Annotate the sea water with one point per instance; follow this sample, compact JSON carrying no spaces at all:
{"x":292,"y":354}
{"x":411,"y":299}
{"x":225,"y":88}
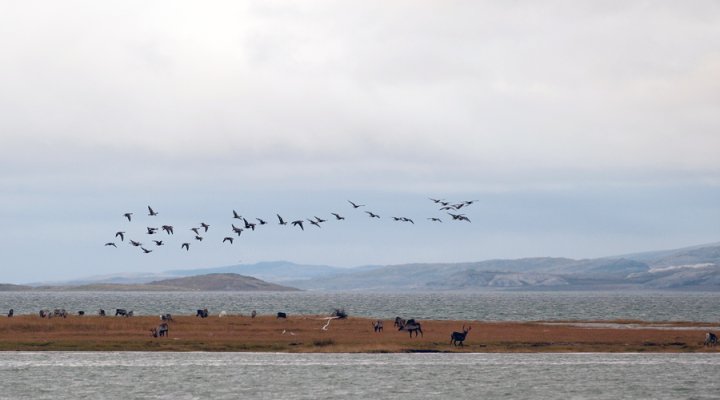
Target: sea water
{"x":77,"y":375}
{"x":484,"y":306}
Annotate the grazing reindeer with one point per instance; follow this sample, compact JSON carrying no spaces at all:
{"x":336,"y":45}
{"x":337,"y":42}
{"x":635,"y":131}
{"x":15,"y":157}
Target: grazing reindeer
{"x":59,"y":312}
{"x":412,"y":326}
{"x":11,"y":313}
{"x":378,"y":326}
{"x":166,"y":317}
{"x":710,"y":339}
{"x":44,"y":313}
{"x":459,"y":337}
{"x":81,"y":313}
{"x":161,"y":330}
{"x":202,"y":313}
{"x":399,"y":322}
{"x":281,"y":315}
{"x":253,"y":314}
{"x":101,"y":312}
{"x":121,"y":312}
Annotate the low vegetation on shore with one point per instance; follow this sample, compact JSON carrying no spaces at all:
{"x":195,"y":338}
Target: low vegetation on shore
{"x":306,"y":334}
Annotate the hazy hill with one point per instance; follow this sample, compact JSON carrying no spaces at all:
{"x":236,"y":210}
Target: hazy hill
{"x":275,"y":271}
{"x":8,"y":287}
{"x":222,"y":282}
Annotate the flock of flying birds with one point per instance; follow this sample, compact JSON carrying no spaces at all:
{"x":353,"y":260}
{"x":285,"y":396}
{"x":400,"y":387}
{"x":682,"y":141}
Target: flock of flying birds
{"x":246,"y":225}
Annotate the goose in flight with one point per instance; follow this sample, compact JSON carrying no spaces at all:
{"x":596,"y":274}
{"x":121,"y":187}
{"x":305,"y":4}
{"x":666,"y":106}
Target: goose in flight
{"x":236,"y":229}
{"x":356,"y":205}
{"x":372,"y":215}
{"x":128,"y":216}
{"x":204,"y":225}
{"x":314,"y":223}
{"x":168,"y":229}
{"x":459,"y":217}
{"x":110,"y":244}
{"x":121,"y":234}
{"x":320,"y":220}
{"x":298,"y":223}
{"x":338,"y":216}
{"x":261,"y":221}
{"x":248,"y":225}
{"x":406,"y":219}
{"x":436,"y":201}
{"x":228,"y":239}
{"x":134,"y":243}
{"x":151,"y":212}
{"x":198,"y":238}
{"x":151,"y":231}
{"x":435,"y":219}
{"x":397,"y":218}
{"x":236,"y":215}
{"x":282,"y":221}
{"x":185,"y":246}
{"x":196,"y":230}
{"x":146,"y":251}
{"x":158,"y":242}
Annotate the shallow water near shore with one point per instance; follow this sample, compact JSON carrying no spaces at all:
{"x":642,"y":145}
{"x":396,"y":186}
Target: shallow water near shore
{"x":486,"y":306}
{"x":78,"y":375}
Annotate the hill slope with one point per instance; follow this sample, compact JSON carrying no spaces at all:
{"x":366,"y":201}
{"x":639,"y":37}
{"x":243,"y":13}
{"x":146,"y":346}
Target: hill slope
{"x":222,"y":282}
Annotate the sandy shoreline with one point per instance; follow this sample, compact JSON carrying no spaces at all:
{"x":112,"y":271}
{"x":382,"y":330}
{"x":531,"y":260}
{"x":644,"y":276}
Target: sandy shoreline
{"x":352,"y":335}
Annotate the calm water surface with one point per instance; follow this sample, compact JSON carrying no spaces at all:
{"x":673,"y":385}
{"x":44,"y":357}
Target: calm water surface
{"x":69,"y":375}
{"x":492,"y":306}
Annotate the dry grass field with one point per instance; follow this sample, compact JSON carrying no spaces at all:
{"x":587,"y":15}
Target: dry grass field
{"x":304,"y":334}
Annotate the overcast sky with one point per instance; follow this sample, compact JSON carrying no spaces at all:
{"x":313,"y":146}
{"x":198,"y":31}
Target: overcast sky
{"x":584,"y":129}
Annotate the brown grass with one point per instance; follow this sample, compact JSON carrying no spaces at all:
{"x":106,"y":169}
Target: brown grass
{"x":304,"y":334}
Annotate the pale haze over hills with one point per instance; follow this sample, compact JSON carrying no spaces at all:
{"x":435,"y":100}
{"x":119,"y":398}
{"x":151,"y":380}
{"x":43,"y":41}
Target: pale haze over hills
{"x":582,"y":128}
{"x":694,"y":268}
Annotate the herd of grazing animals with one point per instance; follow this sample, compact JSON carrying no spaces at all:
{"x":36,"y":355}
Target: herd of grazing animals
{"x":248,"y":224}
{"x":410,"y":325}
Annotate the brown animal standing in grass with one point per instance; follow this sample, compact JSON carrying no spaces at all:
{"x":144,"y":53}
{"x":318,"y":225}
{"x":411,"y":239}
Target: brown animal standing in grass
{"x":710,"y":339}
{"x":378,"y":326}
{"x":459,"y":337}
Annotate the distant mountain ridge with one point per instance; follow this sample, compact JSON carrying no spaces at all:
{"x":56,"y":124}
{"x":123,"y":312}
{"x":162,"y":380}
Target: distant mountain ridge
{"x":690,"y":268}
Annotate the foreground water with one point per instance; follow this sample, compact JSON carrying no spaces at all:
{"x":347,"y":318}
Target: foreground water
{"x":69,"y":375}
{"x":487,"y":306}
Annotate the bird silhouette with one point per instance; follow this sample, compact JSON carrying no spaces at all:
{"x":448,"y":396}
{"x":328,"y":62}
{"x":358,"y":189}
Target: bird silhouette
{"x":134,"y":243}
{"x":356,"y":205}
{"x":459,"y":217}
{"x":435,"y":219}
{"x":228,"y":239}
{"x":236,"y":229}
{"x":372,"y":215}
{"x":406,"y":219}
{"x":248,"y":225}
{"x":281,"y":220}
{"x":397,"y":218}
{"x":298,"y":223}
{"x":158,"y":242}
{"x":151,"y":231}
{"x":128,"y":216}
{"x":146,"y":251}
{"x":261,"y":221}
{"x":168,"y":229}
{"x":110,"y":244}
{"x":320,"y":220}
{"x":121,"y":234}
{"x":314,"y":223}
{"x":236,"y":215}
{"x":435,"y":200}
{"x":448,"y":208}
{"x":151,"y":212}
{"x":199,"y":238}
{"x":186,"y":246}
{"x":196,"y":230}
{"x":469,"y":202}
{"x":338,"y":216}
{"x":205,"y":226}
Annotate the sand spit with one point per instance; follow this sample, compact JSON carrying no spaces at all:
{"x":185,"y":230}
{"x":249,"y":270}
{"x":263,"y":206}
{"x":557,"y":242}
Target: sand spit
{"x":352,"y":335}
